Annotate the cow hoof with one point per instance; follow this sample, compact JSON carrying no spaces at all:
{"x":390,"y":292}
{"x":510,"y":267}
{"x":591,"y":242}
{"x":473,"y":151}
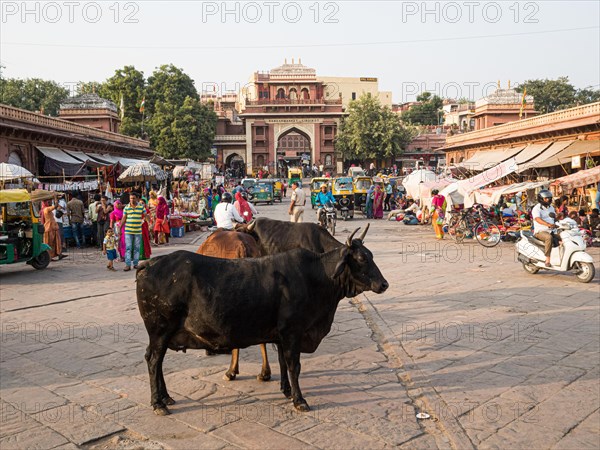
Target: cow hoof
{"x":161,"y":411}
{"x":168,"y":401}
{"x":263,"y":377}
{"x":302,"y":406}
{"x":229,"y":376}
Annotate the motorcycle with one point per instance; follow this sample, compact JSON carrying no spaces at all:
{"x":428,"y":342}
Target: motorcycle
{"x":328,"y":217}
{"x":568,"y":256}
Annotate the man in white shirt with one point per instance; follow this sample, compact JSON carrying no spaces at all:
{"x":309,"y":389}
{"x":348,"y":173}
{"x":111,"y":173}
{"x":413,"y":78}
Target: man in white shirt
{"x":226,"y":214}
{"x":543,"y":222}
{"x":62,"y":207}
{"x":296,"y":210}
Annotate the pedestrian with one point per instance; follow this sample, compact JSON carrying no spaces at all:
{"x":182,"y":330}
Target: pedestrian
{"x":103,"y":210}
{"x":378,"y":203}
{"x":243,"y":207}
{"x":115,"y":223}
{"x":75,"y":211}
{"x":284,"y":187}
{"x":59,"y":217}
{"x":161,"y":226}
{"x":109,"y":248}
{"x":146,"y":247}
{"x":369,"y":203}
{"x":372,"y":169}
{"x":389,"y":190}
{"x":215,"y":201}
{"x":298,"y":200}
{"x":438,"y":206}
{"x":51,"y":233}
{"x":133,"y":216}
{"x":93,"y":216}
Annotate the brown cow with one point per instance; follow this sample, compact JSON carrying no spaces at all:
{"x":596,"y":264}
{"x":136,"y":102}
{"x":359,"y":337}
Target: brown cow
{"x":234,"y":245}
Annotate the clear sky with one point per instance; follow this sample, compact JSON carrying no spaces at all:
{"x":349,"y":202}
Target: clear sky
{"x":454,"y":49}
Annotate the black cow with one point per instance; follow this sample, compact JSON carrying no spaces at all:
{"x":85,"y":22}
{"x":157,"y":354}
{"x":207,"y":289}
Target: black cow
{"x":189,"y":301}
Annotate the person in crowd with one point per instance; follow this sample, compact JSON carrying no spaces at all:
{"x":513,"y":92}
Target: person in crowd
{"x":592,"y":221}
{"x":238,"y":188}
{"x":161,"y":226}
{"x":133,"y":217}
{"x":369,"y":204}
{"x":322,"y":198}
{"x":298,"y":200}
{"x":543,"y":222}
{"x":109,"y":245}
{"x":103,"y":210}
{"x":215,"y":201}
{"x":75,"y":211}
{"x":146,"y":247}
{"x":438,"y":206}
{"x":378,"y":203}
{"x":389,"y":190}
{"x":284,"y":187}
{"x":562,"y":206}
{"x":226,"y":214}
{"x":93,"y":216}
{"x":59,"y":217}
{"x":115,"y":223}
{"x":243,"y":207}
{"x":51,"y":232}
{"x":574,"y":217}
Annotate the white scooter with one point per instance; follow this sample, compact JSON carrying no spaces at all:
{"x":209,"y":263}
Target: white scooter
{"x":569,"y":256}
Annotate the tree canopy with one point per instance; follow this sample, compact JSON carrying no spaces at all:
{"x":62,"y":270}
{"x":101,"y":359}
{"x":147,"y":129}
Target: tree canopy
{"x":33,"y":94}
{"x":552,"y":95}
{"x":371,"y":131}
{"x":427,"y":112}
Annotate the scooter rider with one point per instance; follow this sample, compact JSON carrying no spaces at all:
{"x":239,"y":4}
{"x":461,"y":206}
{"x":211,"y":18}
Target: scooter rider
{"x":321,"y":200}
{"x":543,"y":222}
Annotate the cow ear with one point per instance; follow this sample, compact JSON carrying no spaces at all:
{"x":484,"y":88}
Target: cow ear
{"x":341,"y":265}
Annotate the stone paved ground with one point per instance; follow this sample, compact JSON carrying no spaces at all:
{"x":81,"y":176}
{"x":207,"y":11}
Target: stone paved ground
{"x":498,"y":358}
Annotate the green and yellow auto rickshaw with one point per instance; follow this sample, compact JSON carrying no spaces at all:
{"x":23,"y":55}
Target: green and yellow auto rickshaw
{"x":295,"y":175}
{"x":315,"y":188}
{"x":343,"y":192}
{"x":21,"y":233}
{"x":277,"y":190}
{"x":361,"y":186}
{"x":263,"y":191}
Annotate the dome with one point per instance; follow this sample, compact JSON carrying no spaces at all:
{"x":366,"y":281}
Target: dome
{"x":89,"y":101}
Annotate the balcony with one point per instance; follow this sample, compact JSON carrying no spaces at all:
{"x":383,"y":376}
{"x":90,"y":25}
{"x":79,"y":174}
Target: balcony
{"x":230,"y":138}
{"x":289,"y":101}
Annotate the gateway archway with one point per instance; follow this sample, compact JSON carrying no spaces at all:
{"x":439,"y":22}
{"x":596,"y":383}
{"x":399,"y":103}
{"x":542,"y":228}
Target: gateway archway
{"x":293,"y":149}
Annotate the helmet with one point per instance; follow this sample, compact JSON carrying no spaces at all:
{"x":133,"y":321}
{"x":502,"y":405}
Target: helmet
{"x":244,"y":195}
{"x":544,"y":197}
{"x":226,"y":197}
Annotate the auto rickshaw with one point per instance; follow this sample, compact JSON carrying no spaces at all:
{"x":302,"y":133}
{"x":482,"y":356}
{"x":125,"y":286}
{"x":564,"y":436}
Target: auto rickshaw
{"x":277,"y":189}
{"x":248,"y":185}
{"x":342,"y":190}
{"x":315,"y":188}
{"x":21,"y":233}
{"x":263,"y":191}
{"x":361,"y":186}
{"x":295,"y":175}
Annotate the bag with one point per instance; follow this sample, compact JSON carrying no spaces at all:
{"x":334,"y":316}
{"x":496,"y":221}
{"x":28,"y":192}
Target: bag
{"x":59,"y":213}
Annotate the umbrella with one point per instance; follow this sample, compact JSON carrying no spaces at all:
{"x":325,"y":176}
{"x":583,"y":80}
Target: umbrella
{"x":12,"y":171}
{"x":143,"y":171}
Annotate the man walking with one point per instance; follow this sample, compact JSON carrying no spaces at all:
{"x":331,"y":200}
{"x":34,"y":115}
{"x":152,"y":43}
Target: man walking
{"x":93,"y":215}
{"x":75,"y":210}
{"x":296,"y":210}
{"x":133,"y":216}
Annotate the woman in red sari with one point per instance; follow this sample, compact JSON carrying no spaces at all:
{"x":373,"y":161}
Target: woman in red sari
{"x":162,"y":220}
{"x":378,"y":203}
{"x":115,"y":223}
{"x":243,"y":207}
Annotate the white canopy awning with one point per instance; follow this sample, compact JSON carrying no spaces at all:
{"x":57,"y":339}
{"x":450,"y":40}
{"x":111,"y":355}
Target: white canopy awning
{"x":483,"y":160}
{"x":554,"y":149}
{"x":578,"y":148}
{"x":531,"y":151}
{"x":58,"y":155}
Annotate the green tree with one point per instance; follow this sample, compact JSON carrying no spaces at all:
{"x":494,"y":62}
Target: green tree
{"x":187,"y":131}
{"x":371,"y":131}
{"x":33,"y":94}
{"x":552,"y":95}
{"x":128,"y":83}
{"x":427,"y":112}
{"x":168,"y":84}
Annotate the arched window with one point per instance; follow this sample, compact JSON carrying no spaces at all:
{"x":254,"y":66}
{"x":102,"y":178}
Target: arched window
{"x":293,"y":94}
{"x":280,"y":93}
{"x":305,"y":94}
{"x":328,"y":160}
{"x":260,"y":160}
{"x":15,"y":158}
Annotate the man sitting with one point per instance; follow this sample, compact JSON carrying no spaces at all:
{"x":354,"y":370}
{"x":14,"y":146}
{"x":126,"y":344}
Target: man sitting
{"x":321,"y":200}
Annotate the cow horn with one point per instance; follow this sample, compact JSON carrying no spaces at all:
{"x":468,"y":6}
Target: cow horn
{"x":364,"y":233}
{"x":250,"y":226}
{"x":349,"y":241}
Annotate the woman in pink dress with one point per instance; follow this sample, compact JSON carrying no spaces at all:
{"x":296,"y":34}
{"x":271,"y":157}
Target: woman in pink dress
{"x":115,"y":224}
{"x":378,"y":203}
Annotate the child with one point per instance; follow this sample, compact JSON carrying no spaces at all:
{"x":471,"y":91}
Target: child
{"x":109,"y":248}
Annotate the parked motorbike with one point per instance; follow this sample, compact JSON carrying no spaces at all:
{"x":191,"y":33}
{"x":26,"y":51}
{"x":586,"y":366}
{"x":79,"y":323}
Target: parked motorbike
{"x":570,"y":255}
